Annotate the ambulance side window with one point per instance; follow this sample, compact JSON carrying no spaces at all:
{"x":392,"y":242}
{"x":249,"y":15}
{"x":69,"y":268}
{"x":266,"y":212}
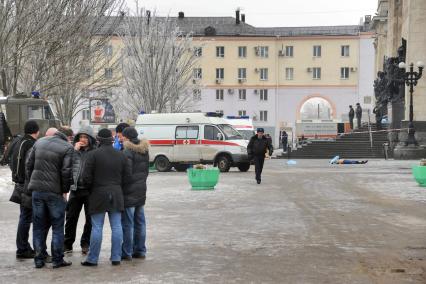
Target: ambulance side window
{"x":181,"y":132}
{"x":187,"y":132}
{"x":192,"y":132}
{"x":211,"y":132}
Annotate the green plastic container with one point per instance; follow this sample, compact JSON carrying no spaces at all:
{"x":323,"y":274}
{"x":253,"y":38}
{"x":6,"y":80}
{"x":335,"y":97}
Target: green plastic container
{"x":203,"y":179}
{"x":419,"y":173}
{"x":152,"y":168}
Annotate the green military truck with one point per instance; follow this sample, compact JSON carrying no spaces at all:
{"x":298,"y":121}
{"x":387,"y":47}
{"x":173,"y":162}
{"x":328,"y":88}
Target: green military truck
{"x":16,"y":110}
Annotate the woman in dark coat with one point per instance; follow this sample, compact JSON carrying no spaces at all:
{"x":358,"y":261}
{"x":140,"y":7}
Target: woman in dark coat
{"x":133,"y":218}
{"x":105,"y":173}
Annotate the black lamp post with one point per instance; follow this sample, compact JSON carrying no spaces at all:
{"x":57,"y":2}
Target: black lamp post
{"x":410,"y":78}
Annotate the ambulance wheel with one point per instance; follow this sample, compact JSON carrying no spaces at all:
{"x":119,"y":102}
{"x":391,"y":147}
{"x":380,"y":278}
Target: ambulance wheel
{"x":181,"y":167}
{"x":244,"y":167}
{"x":162,"y":164}
{"x":223,"y":163}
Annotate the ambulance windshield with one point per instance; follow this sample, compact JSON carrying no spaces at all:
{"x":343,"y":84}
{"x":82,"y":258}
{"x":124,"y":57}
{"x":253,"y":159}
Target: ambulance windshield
{"x":230,"y":132}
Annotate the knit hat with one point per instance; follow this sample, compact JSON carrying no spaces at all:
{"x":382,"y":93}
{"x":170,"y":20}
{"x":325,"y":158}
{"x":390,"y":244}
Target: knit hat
{"x":31,"y":127}
{"x":260,"y":130}
{"x":130,"y":133}
{"x":120,"y":127}
{"x":104,"y":133}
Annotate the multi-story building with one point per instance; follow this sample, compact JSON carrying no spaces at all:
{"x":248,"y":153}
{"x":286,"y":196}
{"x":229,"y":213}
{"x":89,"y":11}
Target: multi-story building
{"x":278,"y":76}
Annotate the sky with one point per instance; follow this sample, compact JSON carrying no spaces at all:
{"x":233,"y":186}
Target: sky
{"x":269,"y":13}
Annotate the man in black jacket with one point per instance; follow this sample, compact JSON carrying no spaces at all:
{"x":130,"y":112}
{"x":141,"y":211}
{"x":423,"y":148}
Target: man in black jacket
{"x":20,"y":194}
{"x":105,"y":173}
{"x":358,"y":114}
{"x":84,"y":142}
{"x":50,"y":171}
{"x":133,"y":219}
{"x":256,"y":150}
{"x":351,"y":117}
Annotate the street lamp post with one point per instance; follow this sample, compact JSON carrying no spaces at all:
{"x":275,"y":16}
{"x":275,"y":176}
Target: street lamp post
{"x":410,"y":78}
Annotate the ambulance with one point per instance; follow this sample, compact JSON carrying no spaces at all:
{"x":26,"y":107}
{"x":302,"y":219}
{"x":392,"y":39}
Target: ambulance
{"x":182,"y":139}
{"x":242,"y":124}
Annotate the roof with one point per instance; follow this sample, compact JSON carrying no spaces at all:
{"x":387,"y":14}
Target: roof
{"x":227,"y":26}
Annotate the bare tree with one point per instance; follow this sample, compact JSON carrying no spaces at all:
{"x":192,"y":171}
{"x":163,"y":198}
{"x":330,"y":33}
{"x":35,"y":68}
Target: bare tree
{"x":159,"y":64}
{"x":51,"y":46}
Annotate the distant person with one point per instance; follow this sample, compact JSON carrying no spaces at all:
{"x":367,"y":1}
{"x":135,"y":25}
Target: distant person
{"x":105,"y":173}
{"x":133,"y":219}
{"x":351,"y":117}
{"x":358,"y":113}
{"x":256,"y":150}
{"x":118,"y":139}
{"x":84,"y":142}
{"x":284,"y":140}
{"x":21,"y":195}
{"x":49,"y":168}
{"x":377,"y":111}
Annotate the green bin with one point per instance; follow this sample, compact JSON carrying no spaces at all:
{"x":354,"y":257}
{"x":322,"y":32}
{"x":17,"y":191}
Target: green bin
{"x":419,"y":173}
{"x":203,"y":179}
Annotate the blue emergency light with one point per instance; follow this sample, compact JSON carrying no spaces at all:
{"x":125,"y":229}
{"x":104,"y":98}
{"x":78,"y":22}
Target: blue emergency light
{"x":238,"y":117}
{"x":214,"y":114}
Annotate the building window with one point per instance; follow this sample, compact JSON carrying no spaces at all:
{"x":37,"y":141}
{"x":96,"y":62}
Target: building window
{"x":263,"y":94}
{"x":289,"y":73}
{"x":242,"y":51}
{"x":108,"y":50}
{"x":263,"y":115}
{"x":242,"y":73}
{"x":198,"y":51}
{"x":344,"y":50}
{"x":263,"y":74}
{"x":242,"y":113}
{"x":108,"y":73}
{"x":198,"y":73}
{"x":316,"y":74}
{"x":220,"y":73}
{"x":317,"y":50}
{"x":289,"y":51}
{"x":85,"y":113}
{"x":262,"y":51}
{"x":344,"y":73}
{"x":196,"y":94}
{"x":242,"y":94}
{"x":219,"y":94}
{"x":220,"y":51}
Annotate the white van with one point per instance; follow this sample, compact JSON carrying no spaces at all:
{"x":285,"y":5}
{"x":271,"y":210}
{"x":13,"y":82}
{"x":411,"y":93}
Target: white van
{"x":243,"y":124}
{"x":181,"y":139}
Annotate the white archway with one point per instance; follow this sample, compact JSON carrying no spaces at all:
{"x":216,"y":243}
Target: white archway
{"x":316,"y":108}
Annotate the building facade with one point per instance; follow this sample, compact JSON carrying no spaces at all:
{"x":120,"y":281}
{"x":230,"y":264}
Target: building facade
{"x":279,"y":76}
{"x":395,"y":21}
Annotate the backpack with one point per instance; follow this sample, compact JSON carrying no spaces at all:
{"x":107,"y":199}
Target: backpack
{"x":7,"y":158}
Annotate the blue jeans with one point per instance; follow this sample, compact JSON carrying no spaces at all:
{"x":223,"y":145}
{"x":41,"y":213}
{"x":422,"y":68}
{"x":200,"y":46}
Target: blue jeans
{"x":139,"y":235}
{"x":96,"y":236}
{"x":134,"y":231}
{"x":25,"y":219}
{"x":48,"y":207}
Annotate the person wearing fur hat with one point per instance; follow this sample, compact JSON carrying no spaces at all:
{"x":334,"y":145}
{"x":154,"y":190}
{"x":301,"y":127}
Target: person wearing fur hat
{"x":133,"y":218}
{"x":105,"y":173}
{"x":84,"y":142}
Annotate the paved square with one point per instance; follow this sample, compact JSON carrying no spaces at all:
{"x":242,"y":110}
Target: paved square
{"x":308,"y":223}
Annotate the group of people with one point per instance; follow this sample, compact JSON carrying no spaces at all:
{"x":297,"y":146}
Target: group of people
{"x":101,"y":174}
{"x":352,"y":113}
